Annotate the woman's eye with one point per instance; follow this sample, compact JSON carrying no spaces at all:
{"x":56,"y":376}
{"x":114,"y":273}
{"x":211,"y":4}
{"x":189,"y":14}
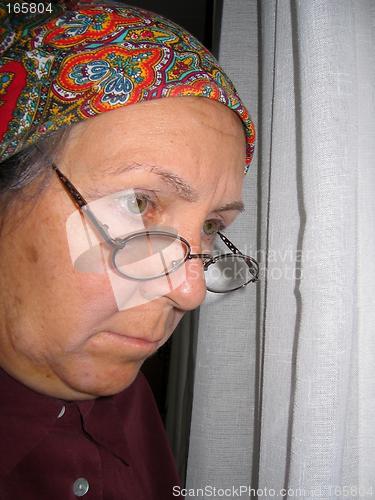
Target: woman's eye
{"x":137,"y":204}
{"x":211,"y":227}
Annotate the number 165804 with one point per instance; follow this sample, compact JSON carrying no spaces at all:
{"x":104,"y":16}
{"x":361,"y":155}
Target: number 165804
{"x":29,"y":8}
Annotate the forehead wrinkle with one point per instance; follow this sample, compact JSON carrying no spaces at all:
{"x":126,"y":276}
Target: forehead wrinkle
{"x":184,"y":190}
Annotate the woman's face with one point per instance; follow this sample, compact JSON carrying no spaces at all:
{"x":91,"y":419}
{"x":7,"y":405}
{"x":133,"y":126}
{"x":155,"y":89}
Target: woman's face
{"x":62,"y":333}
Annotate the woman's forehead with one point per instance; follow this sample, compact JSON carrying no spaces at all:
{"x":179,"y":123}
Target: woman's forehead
{"x":177,"y":111}
{"x":180,"y":135}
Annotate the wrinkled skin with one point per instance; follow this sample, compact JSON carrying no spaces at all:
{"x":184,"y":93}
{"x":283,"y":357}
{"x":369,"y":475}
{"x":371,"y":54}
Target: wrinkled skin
{"x":61,"y":332}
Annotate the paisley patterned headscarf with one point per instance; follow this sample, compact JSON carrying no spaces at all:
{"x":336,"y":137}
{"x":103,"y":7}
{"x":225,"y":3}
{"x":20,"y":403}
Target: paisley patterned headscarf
{"x":87,"y":57}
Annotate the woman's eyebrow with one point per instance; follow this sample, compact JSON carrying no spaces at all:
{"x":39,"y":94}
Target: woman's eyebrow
{"x":232,"y":205}
{"x":182,"y":188}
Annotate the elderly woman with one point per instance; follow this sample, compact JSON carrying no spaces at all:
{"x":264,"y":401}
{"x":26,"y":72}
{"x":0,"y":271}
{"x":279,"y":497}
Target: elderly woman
{"x":123,"y":148}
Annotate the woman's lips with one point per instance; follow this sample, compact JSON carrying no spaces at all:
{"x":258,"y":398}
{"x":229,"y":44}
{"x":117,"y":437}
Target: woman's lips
{"x":138,"y":342}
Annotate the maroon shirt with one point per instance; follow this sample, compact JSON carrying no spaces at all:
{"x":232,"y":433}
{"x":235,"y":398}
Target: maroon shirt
{"x":110,"y":448}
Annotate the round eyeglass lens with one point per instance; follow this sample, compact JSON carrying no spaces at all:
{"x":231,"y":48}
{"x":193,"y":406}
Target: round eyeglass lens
{"x":149,"y":256}
{"x":228,"y":273}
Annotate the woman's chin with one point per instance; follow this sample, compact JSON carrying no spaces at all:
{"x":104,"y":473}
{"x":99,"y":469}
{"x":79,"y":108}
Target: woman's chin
{"x":100,"y":382}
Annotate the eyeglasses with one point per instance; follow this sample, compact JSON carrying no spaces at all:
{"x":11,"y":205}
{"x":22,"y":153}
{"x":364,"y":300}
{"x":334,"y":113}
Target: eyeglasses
{"x":151,"y":254}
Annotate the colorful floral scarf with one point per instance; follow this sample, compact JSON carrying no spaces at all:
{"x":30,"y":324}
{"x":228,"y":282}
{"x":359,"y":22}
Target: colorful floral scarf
{"x":87,"y":57}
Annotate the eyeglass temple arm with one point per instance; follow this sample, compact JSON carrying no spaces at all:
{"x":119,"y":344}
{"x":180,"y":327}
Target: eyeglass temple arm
{"x":80,"y":201}
{"x":236,"y":251}
{"x":229,"y":244}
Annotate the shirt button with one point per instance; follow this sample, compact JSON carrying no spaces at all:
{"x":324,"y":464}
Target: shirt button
{"x":80,"y":487}
{"x":62,"y":411}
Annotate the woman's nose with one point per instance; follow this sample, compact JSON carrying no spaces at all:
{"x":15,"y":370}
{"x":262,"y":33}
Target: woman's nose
{"x":191,"y":293}
{"x":186,"y":286}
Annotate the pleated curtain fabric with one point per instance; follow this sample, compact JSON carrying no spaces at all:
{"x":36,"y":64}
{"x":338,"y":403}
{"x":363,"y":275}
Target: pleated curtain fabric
{"x":221,"y":434}
{"x":284,"y":392}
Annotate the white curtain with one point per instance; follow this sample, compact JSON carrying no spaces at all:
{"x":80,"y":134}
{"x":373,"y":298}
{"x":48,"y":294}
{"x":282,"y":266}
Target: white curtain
{"x":222,"y":431}
{"x":284,"y":394}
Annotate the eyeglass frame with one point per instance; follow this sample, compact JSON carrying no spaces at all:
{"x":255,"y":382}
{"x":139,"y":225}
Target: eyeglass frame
{"x":119,"y":243}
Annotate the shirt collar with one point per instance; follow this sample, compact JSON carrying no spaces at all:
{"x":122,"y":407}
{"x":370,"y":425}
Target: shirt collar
{"x":104,"y":424}
{"x":27,"y":416}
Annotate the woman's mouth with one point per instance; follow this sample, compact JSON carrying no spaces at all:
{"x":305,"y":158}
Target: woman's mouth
{"x":140,"y":343}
